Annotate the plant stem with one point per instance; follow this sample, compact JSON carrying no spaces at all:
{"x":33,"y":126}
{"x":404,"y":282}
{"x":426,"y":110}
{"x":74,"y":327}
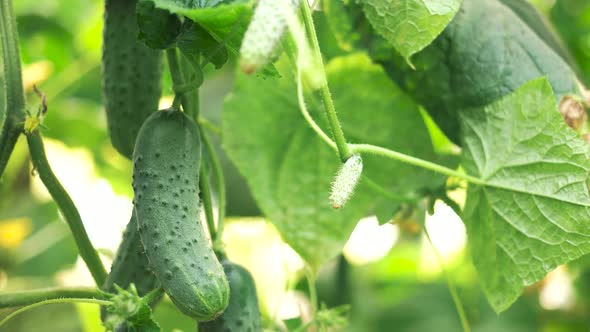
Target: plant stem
{"x":343,"y":148}
{"x":153,"y":295}
{"x":26,"y":297}
{"x":207,"y":204}
{"x":66,"y":206}
{"x":204,"y":123}
{"x":53,"y":301}
{"x":313,"y":296}
{"x":13,"y":85}
{"x":178,"y":78}
{"x":383,"y":152}
{"x":220,"y":181}
{"x":307,"y":116}
{"x":451,"y":285}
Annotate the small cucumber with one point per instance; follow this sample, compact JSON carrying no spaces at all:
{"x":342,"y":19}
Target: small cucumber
{"x":242,"y":313}
{"x":131,"y":75}
{"x":166,"y":165}
{"x":130,"y":265}
{"x":265,"y":31}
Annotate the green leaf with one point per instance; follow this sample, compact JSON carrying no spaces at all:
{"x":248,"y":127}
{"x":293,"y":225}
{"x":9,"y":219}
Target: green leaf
{"x":410,"y":25}
{"x":541,"y":26}
{"x":289,"y":169}
{"x":158,"y":28}
{"x":195,"y":42}
{"x":226,"y":22}
{"x":485,"y":53}
{"x":533,"y":212}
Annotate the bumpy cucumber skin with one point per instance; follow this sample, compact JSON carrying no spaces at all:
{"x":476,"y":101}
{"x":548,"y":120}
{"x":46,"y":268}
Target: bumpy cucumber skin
{"x":130,"y":265}
{"x":242,"y":313}
{"x":131,"y":75}
{"x":166,"y":165}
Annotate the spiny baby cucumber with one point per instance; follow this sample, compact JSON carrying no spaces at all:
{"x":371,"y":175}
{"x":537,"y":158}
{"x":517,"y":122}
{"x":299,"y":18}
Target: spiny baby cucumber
{"x":264,"y":33}
{"x":166,"y":165}
{"x":130,"y":265}
{"x":131,"y":75}
{"x":242,"y":313}
{"x":346,"y":180}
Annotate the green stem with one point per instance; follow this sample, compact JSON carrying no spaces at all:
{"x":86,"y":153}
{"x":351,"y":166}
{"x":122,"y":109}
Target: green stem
{"x":204,"y":123}
{"x":66,"y":206}
{"x":13,"y":85}
{"x":220,"y":181}
{"x":177,"y":78}
{"x":343,"y":149}
{"x":451,"y":285}
{"x":26,"y":297}
{"x":207,"y":204}
{"x":313,"y":296}
{"x":53,"y":301}
{"x":383,"y":152}
{"x":153,"y":295}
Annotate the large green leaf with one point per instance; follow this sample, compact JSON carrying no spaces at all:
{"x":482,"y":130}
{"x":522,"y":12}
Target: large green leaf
{"x":410,"y":25}
{"x":533,"y":214}
{"x":541,"y":26}
{"x":485,"y":53}
{"x":226,"y":21}
{"x":289,"y":169}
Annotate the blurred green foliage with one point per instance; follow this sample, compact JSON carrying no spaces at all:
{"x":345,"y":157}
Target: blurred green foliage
{"x":60,"y":46}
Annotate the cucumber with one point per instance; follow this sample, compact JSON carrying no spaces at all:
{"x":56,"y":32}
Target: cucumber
{"x":131,"y":75}
{"x":242,"y":313}
{"x":166,"y":165}
{"x":130,"y":265}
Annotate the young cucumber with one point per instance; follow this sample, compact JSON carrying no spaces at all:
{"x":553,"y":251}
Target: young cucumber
{"x":130,"y":265}
{"x":242,"y":313}
{"x":166,"y":165}
{"x":131,"y":75}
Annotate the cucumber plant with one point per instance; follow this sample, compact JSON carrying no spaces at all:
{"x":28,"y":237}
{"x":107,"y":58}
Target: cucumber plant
{"x":409,"y":102}
{"x":131,"y":75}
{"x":166,"y":166}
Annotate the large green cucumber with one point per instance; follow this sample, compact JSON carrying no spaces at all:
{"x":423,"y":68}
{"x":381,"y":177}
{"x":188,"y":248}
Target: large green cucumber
{"x":130,"y":265}
{"x":166,"y":165}
{"x":242,"y":313}
{"x":131,"y":75}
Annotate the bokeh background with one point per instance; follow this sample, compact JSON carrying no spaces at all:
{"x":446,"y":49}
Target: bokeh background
{"x":390,"y":274}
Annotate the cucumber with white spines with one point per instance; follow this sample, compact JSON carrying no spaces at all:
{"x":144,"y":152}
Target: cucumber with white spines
{"x":346,"y":180}
{"x":266,"y":29}
{"x":131,"y":75}
{"x":166,"y":163}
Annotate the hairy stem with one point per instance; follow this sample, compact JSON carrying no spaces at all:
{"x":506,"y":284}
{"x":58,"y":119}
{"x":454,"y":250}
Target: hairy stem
{"x":66,"y":206}
{"x":383,"y":152}
{"x":13,"y":85}
{"x":26,"y":297}
{"x":343,"y":148}
{"x":53,"y":301}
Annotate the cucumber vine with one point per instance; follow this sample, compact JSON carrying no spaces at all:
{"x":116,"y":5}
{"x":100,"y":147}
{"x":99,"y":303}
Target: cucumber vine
{"x":521,"y":167}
